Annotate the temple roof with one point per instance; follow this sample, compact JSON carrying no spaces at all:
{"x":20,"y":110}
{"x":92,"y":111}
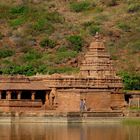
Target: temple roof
{"x":21,"y":83}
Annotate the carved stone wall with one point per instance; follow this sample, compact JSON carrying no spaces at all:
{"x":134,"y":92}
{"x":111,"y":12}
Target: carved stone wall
{"x":68,"y":101}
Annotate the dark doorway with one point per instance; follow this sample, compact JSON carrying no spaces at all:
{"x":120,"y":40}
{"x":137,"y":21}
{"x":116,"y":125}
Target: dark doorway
{"x":127,"y":97}
{"x":13,"y":95}
{"x":41,"y":94}
{"x":26,"y":95}
{"x":3,"y":95}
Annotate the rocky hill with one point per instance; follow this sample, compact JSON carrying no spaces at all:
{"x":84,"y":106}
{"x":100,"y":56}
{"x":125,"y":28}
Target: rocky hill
{"x":50,"y":36}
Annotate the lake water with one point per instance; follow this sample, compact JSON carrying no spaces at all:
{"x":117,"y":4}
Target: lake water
{"x":68,"y":132}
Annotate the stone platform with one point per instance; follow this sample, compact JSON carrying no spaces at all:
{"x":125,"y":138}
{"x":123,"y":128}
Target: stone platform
{"x":50,"y":117}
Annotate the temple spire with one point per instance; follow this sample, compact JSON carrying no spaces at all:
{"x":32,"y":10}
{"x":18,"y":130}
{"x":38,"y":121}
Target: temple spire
{"x":97,"y":37}
{"x":96,"y":61}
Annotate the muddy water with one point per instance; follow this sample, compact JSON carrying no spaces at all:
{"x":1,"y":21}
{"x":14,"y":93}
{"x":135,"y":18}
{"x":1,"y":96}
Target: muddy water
{"x":68,"y":132}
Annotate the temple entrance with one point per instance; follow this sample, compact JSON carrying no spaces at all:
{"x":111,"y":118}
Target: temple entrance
{"x":127,"y":98}
{"x":40,"y":94}
{"x":3,"y":95}
{"x":13,"y":95}
{"x":26,"y":95}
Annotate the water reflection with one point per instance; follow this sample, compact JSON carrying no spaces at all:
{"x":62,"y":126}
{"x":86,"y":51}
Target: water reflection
{"x":68,"y":132}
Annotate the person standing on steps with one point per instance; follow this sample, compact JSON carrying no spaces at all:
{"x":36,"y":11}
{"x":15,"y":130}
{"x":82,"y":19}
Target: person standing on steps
{"x":84,"y":105}
{"x":81,"y":105}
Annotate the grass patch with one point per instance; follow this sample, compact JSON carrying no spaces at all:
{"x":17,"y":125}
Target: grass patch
{"x":42,"y":25}
{"x":17,"y":22}
{"x":21,"y":9}
{"x":135,"y":108}
{"x":47,"y":43}
{"x":133,"y":7}
{"x":80,"y":6}
{"x":6,"y":53}
{"x":66,"y":69}
{"x":123,"y":26}
{"x":131,"y":122}
{"x":93,"y":29}
{"x":39,"y":25}
{"x":61,"y":56}
{"x":32,"y":55}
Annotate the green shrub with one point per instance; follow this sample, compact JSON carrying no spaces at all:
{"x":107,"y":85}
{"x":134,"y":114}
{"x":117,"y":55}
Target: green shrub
{"x":6,"y":53}
{"x":13,"y":69}
{"x":131,"y":81}
{"x":76,"y":42}
{"x":47,"y":43}
{"x":42,"y":69}
{"x":80,"y":6}
{"x":59,"y":57}
{"x":32,"y":55}
{"x":63,"y":56}
{"x":62,"y":49}
{"x":93,"y":29}
{"x":17,"y":22}
{"x":25,"y":69}
{"x":134,"y":7}
{"x":124,"y":26}
{"x":19,"y":9}
{"x":41,"y":26}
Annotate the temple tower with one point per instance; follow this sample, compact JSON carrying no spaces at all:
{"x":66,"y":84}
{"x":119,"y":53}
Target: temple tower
{"x":97,"y":64}
{"x":108,"y":86}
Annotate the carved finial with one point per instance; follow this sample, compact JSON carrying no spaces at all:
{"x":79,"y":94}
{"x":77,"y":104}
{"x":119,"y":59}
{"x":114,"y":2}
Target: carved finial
{"x":97,"y":37}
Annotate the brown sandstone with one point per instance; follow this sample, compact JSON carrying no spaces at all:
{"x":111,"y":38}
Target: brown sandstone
{"x":97,"y":85}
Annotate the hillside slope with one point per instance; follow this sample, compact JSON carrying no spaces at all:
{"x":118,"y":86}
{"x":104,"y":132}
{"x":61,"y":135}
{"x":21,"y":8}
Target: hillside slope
{"x":46,"y":37}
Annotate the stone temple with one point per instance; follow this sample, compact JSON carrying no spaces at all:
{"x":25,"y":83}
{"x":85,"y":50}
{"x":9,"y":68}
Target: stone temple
{"x":96,"y":86}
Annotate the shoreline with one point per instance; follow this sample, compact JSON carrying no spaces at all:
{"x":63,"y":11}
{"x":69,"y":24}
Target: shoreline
{"x":67,"y":120}
{"x":114,"y":117}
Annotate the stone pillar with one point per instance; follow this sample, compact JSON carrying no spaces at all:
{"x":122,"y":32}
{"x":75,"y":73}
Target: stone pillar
{"x":52,"y":96}
{"x":19,"y":95}
{"x":8,"y":95}
{"x":50,"y":99}
{"x":47,"y":98}
{"x":0,"y":94}
{"x":33,"y":96}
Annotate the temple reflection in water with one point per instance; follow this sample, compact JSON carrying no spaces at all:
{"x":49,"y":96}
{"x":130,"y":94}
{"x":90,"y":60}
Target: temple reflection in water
{"x":68,"y":132}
